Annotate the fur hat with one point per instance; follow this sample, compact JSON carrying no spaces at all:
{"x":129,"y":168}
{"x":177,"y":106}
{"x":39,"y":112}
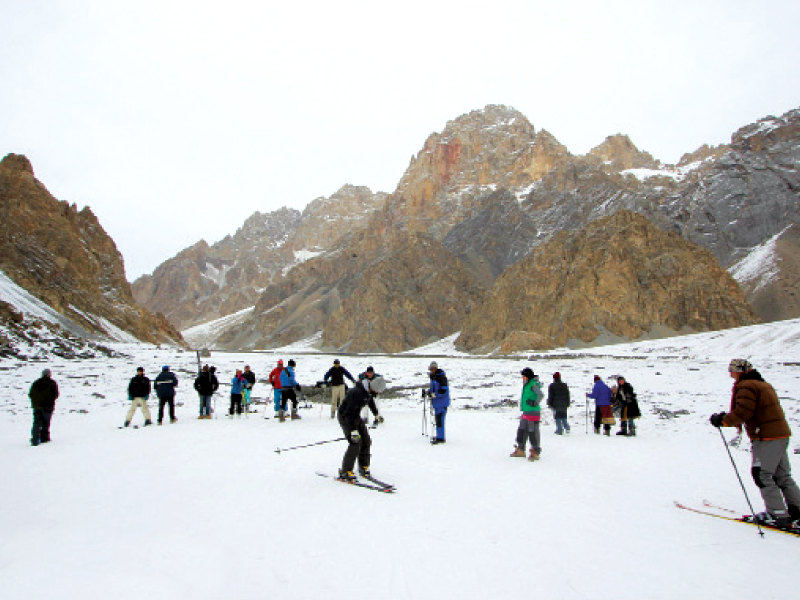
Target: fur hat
{"x":740,"y":365}
{"x":375,"y":385}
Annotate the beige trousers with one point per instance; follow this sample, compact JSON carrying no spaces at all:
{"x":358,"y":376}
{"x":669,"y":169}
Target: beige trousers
{"x":135,"y":403}
{"x":337,"y":395}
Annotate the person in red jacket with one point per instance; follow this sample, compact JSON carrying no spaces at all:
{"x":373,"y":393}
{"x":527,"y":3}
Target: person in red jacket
{"x":755,"y":405}
{"x":275,"y":380}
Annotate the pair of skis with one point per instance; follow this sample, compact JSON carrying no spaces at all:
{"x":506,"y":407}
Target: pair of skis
{"x":719,"y":512}
{"x":375,"y":485}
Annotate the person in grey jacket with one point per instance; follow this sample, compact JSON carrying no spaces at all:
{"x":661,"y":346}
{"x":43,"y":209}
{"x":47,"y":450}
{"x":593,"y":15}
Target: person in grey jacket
{"x":558,"y":400}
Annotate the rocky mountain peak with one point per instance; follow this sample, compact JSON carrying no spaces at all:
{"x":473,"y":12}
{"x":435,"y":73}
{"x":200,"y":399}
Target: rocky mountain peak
{"x":17,"y":162}
{"x":619,"y":152}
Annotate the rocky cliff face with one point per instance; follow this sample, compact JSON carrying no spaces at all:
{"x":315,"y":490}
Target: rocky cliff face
{"x":620,"y":275}
{"x":205,"y":282}
{"x":64,"y":257}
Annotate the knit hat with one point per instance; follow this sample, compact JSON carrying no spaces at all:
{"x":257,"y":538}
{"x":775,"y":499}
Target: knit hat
{"x":280,"y":362}
{"x":433,"y":366}
{"x":528,"y":372}
{"x":46,"y":373}
{"x":336,"y":361}
{"x":740,"y":365}
{"x":557,"y":376}
{"x":291,"y":362}
{"x":165,"y":368}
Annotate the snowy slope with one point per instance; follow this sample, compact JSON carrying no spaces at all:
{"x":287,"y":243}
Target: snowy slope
{"x":207,"y":509}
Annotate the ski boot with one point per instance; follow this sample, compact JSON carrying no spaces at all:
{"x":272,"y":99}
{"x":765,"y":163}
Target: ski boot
{"x":364,"y":472}
{"x":347,"y":476}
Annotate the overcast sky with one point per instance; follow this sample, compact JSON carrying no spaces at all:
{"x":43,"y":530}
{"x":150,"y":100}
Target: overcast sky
{"x":174,"y":120}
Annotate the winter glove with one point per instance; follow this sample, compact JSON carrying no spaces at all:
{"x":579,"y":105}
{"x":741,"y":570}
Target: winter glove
{"x":378,"y":419}
{"x":716,"y":419}
{"x":355,"y":437}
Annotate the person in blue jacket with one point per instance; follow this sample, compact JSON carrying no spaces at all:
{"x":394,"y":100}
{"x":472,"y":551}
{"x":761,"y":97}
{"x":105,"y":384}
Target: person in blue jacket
{"x":603,"y":413}
{"x":440,"y":400}
{"x":288,"y":386}
{"x":237,"y":388}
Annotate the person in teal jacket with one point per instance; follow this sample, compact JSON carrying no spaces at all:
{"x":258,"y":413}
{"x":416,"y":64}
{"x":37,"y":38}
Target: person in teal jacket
{"x":237,"y":388}
{"x":530,"y":405}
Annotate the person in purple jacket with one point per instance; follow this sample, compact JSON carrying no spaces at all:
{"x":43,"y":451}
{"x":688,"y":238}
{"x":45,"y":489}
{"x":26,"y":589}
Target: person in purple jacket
{"x":603,"y":414}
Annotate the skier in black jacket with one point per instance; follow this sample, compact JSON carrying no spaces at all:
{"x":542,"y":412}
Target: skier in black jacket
{"x":165,"y":385}
{"x":354,"y":428}
{"x":43,"y":395}
{"x":139,"y":394}
{"x":206,"y":384}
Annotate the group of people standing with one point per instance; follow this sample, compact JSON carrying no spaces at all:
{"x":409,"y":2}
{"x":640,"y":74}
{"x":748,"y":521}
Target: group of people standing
{"x":140,"y":388}
{"x":606,"y":399}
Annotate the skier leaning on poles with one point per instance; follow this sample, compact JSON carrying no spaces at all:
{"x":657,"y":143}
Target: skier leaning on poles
{"x":355,"y":430}
{"x":755,"y":405}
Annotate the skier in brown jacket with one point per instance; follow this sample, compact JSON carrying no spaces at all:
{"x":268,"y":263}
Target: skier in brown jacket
{"x":755,"y":405}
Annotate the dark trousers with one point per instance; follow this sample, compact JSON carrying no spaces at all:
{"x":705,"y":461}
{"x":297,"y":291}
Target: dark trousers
{"x":161,"y":403}
{"x":287,"y":395}
{"x":356,"y":450}
{"x":236,"y":403}
{"x":40,"y":432}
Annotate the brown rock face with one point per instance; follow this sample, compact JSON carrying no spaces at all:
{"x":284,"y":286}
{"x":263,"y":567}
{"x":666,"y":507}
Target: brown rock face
{"x":620,"y":275}
{"x":619,"y":153}
{"x":374,"y":293}
{"x":65,"y":258}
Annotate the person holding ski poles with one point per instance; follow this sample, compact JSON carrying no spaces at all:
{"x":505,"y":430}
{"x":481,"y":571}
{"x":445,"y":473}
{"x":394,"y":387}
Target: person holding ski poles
{"x":206,"y":384}
{"x":755,"y":405}
{"x":336,"y":375}
{"x":439,"y":392}
{"x":288,"y":386}
{"x":237,"y":387}
{"x":530,"y":405}
{"x":603,"y":413}
{"x":277,"y":388}
{"x":355,"y":430}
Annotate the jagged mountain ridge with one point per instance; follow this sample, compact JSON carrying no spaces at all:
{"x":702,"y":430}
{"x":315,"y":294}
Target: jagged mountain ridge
{"x":65,"y":259}
{"x":461,"y":189}
{"x":205,"y":282}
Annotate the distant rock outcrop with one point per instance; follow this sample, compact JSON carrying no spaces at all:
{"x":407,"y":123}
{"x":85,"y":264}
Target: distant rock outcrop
{"x":620,"y":275}
{"x":63,"y":257}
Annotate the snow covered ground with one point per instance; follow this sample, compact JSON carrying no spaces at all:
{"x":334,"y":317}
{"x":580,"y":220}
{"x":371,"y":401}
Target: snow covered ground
{"x":208,"y":509}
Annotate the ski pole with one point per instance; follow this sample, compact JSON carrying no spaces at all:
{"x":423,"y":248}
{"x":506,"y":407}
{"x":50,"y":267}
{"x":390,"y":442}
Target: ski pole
{"x":741,"y":483}
{"x":279,"y":450}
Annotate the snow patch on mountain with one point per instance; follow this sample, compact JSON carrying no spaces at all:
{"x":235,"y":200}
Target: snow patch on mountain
{"x":205,"y":334}
{"x":760,"y":266}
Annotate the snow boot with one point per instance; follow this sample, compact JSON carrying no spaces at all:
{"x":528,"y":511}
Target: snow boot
{"x":534,"y":455}
{"x":623,"y":429}
{"x":597,"y":430}
{"x":149,"y":422}
{"x":281,"y":416}
{"x":173,"y":421}
{"x":517,"y":453}
{"x":127,"y":423}
{"x":295,"y":415}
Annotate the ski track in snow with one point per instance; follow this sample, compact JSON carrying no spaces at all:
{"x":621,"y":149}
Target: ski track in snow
{"x":207,"y":509}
